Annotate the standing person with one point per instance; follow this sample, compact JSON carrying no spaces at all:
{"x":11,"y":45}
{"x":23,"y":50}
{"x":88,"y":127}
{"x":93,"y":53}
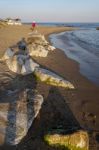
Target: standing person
{"x":33,"y":25}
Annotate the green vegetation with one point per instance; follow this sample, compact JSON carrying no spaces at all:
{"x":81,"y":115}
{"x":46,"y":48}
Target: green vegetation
{"x":61,"y":143}
{"x":47,"y":81}
{"x":58,"y":139}
{"x":37,"y":77}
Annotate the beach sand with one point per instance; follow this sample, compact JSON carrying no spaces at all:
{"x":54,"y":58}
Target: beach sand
{"x":70,"y":108}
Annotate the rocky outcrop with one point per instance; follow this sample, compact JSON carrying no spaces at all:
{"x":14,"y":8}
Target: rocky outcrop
{"x":51,"y":78}
{"x":17,"y":115}
{"x":21,"y":64}
{"x":77,"y":140}
{"x":37,"y":50}
{"x":38,"y":46}
{"x":37,"y":39}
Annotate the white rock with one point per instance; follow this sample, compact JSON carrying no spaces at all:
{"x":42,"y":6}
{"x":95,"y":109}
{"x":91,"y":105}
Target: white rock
{"x":50,"y":48}
{"x":21,"y":64}
{"x":13,"y":64}
{"x":38,"y":46}
{"x":38,"y":39}
{"x":38,"y":51}
{"x":17,"y":116}
{"x":8,"y":54}
{"x":29,"y":67}
{"x":52,"y":78}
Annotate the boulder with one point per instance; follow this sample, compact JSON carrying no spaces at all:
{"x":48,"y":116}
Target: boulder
{"x":28,"y":67}
{"x":8,"y":54}
{"x":37,"y":50}
{"x":50,"y":48}
{"x":21,"y":64}
{"x":17,"y":115}
{"x":38,"y":46}
{"x":19,"y":59}
{"x":51,"y":78}
{"x":13,"y":64}
{"x":77,"y":140}
{"x":37,"y":38}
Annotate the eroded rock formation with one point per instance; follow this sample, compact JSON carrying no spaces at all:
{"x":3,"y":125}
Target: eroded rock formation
{"x":17,"y":115}
{"x":21,"y":61}
{"x":77,"y":140}
{"x":51,"y":78}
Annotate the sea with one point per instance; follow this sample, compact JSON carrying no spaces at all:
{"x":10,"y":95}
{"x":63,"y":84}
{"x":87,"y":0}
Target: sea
{"x":81,"y":45}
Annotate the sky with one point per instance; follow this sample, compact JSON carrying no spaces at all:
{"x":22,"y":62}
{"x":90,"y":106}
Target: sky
{"x":51,"y":10}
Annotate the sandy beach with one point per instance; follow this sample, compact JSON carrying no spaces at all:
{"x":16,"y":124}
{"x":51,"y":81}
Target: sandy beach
{"x":61,"y":106}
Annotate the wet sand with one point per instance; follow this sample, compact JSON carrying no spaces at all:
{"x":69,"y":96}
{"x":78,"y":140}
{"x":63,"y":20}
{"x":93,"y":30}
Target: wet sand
{"x":70,"y":108}
{"x":78,"y":46}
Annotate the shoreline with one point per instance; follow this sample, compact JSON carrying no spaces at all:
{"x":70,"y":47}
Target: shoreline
{"x":72,"y":60}
{"x":84,"y":99}
{"x":86,"y":55}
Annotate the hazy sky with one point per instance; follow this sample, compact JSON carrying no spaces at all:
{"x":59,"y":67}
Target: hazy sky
{"x":51,"y":10}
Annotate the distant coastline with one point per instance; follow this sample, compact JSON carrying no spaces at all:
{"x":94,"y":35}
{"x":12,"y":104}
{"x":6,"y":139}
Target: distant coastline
{"x":66,"y":24}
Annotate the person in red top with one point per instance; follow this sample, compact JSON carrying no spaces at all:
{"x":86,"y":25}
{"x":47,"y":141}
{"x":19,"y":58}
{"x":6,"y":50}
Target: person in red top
{"x":33,"y":25}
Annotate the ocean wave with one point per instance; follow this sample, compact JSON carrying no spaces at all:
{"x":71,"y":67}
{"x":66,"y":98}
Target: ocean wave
{"x":83,"y":47}
{"x":88,"y":37}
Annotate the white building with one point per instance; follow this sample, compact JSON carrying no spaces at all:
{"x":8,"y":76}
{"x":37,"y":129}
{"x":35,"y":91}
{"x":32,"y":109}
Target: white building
{"x":13,"y":21}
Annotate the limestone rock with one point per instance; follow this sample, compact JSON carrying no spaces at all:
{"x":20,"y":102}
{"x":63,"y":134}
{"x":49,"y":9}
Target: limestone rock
{"x":29,"y":67}
{"x":19,"y":59}
{"x":73,"y":141}
{"x":37,"y":38}
{"x":52,"y":78}
{"x":37,"y":50}
{"x":13,"y":64}
{"x":8,"y":54}
{"x":50,"y":48}
{"x":21,"y":64}
{"x":38,"y":46}
{"x":17,"y":115}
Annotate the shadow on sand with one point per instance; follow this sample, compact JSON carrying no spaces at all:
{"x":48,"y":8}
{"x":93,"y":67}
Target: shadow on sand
{"x":10,"y":96}
{"x":11,"y":85}
{"x":55,"y":112}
